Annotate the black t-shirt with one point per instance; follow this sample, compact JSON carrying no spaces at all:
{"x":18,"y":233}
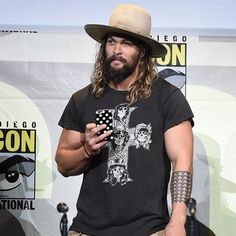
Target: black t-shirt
{"x":124,"y":192}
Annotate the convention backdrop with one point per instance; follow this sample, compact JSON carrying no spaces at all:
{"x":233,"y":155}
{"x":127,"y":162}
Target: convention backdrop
{"x":38,"y":74}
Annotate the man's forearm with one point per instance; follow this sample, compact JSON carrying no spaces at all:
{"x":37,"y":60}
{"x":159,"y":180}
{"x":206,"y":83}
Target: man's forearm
{"x":72,"y":162}
{"x":181,"y":187}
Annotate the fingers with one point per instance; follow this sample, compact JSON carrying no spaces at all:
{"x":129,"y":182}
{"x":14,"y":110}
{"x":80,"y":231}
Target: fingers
{"x":93,"y":142}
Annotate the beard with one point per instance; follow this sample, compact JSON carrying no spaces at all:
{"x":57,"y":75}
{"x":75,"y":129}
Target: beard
{"x":120,"y":74}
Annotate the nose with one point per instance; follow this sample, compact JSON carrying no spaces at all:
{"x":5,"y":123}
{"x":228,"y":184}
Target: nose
{"x":117,"y":49}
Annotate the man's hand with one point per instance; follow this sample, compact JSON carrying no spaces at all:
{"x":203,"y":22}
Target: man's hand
{"x":175,"y":230}
{"x":176,"y":225}
{"x":92,"y":142}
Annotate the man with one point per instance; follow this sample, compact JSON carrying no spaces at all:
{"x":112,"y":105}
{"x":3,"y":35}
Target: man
{"x":126,"y":177}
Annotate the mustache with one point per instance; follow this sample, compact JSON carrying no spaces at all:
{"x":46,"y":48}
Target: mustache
{"x":114,"y":57}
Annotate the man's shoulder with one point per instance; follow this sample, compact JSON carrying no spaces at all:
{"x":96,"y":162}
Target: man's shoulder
{"x":163,"y":85}
{"x":83,"y":92}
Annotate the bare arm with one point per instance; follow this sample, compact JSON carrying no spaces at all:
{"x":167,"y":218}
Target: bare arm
{"x":179,"y":146}
{"x":75,"y":150}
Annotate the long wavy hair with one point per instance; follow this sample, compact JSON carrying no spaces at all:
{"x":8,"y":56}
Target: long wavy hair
{"x":140,"y":89}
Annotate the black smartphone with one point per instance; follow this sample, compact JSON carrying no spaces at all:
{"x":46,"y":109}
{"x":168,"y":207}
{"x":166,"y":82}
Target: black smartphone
{"x":105,"y":116}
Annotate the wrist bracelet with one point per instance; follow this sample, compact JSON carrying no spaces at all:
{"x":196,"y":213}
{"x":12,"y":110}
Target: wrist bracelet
{"x":89,"y":155}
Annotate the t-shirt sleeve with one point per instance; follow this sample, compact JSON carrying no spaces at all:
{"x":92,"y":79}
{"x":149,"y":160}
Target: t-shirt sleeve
{"x":176,"y":109}
{"x":72,"y":116}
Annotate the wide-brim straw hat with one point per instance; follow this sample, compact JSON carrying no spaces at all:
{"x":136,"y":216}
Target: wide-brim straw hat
{"x":128,"y":19}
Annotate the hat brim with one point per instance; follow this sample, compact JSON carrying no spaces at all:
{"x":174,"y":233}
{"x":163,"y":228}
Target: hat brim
{"x":98,"y":32}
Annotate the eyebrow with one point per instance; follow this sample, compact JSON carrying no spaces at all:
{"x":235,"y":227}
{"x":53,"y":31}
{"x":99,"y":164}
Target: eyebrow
{"x":25,"y":165}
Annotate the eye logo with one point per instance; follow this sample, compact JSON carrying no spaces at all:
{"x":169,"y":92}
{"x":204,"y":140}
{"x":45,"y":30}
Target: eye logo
{"x":14,"y":171}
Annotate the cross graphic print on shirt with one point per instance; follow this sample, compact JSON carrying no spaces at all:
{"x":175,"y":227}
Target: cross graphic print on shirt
{"x":124,"y":137}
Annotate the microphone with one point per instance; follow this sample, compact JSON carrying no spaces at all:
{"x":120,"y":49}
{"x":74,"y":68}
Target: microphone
{"x":62,"y":207}
{"x":192,"y":206}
